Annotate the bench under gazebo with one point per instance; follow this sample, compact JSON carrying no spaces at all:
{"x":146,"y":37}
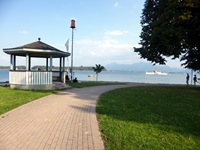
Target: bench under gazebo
{"x":36,"y":79}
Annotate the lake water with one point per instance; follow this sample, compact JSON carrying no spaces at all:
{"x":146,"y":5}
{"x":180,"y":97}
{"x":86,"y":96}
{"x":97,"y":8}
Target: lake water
{"x":120,"y":76}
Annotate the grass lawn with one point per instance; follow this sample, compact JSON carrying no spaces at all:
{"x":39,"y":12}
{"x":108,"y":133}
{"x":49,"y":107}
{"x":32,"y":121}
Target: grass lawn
{"x":10,"y":99}
{"x":83,"y":84}
{"x":150,"y":118}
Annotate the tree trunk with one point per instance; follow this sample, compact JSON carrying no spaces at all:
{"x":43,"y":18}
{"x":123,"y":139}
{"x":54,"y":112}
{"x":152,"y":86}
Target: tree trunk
{"x":97,"y":77}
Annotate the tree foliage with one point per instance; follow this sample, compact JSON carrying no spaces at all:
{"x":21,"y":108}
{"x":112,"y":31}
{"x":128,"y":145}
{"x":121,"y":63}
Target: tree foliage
{"x":98,"y":69}
{"x":171,"y":28}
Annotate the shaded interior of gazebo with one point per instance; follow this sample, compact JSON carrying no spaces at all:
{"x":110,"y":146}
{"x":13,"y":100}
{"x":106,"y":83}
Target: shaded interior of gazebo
{"x":36,"y":79}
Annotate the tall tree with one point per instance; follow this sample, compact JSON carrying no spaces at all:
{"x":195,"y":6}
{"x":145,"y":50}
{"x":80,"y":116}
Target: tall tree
{"x":171,"y":28}
{"x":191,"y":23}
{"x":98,"y":69}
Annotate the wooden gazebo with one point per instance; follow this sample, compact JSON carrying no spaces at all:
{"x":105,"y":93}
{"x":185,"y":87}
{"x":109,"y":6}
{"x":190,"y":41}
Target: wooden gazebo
{"x":36,"y":79}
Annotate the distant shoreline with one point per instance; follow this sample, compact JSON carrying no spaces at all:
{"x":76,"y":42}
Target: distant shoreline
{"x":84,"y":68}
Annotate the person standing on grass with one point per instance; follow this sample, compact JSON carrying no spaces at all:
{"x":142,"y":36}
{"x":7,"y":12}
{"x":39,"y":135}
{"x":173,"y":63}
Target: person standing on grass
{"x":195,"y":79}
{"x":75,"y":80}
{"x":187,"y":79}
{"x":66,"y":77}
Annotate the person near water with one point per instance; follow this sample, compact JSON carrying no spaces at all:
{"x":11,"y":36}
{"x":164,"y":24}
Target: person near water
{"x":187,"y":79}
{"x":66,"y":77}
{"x":195,"y":79}
{"x":75,"y":80}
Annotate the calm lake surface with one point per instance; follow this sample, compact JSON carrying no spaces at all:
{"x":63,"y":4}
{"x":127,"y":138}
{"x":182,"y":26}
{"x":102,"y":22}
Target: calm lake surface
{"x":120,"y":76}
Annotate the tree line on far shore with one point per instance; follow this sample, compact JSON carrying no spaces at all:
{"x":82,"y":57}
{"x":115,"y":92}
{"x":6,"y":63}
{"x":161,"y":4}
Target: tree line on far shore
{"x":54,"y":67}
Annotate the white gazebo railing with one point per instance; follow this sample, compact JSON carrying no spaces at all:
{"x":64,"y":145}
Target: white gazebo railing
{"x":30,"y":77}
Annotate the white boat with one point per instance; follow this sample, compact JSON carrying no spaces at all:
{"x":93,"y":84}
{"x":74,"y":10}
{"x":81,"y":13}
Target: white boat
{"x":91,"y":76}
{"x":156,"y":73}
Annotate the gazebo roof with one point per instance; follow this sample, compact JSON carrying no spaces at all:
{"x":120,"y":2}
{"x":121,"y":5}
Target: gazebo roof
{"x":37,"y":49}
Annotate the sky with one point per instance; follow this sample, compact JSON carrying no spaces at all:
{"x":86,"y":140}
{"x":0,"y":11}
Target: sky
{"x":106,"y":30}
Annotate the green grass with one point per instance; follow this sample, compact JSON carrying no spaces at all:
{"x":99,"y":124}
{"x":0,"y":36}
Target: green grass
{"x":10,"y":99}
{"x":150,"y":118}
{"x":83,"y":84}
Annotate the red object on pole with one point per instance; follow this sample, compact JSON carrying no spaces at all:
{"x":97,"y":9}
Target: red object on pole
{"x":73,"y":24}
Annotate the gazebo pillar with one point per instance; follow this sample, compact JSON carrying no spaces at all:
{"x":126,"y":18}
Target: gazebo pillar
{"x":62,"y":68}
{"x":47,"y":64}
{"x":60,"y":65}
{"x":63,"y":64}
{"x":51,"y":61}
{"x":27,"y":62}
{"x":11,"y":62}
{"x":14,"y":62}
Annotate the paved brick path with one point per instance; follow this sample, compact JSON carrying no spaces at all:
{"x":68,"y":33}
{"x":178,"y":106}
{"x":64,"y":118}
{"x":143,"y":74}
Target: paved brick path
{"x":62,"y":121}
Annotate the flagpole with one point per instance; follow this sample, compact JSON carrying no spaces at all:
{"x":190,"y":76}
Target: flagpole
{"x":72,"y":26}
{"x":72,"y":55}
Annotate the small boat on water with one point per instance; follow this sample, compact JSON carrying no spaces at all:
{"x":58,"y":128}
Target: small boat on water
{"x":91,"y":76}
{"x":156,"y":73}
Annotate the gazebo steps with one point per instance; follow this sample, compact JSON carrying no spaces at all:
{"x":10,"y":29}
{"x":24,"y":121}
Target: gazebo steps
{"x":61,"y":86}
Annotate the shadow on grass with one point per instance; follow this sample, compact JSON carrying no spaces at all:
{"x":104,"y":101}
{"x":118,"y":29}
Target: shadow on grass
{"x":167,"y":108}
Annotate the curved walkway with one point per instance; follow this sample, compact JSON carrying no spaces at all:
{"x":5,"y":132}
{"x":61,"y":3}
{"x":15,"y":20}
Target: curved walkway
{"x":63,"y":121}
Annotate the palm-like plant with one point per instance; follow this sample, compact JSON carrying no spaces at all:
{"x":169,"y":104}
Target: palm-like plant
{"x":98,"y":69}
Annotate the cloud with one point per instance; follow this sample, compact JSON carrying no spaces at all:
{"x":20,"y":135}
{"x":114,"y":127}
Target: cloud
{"x":100,"y":47}
{"x":88,"y":52}
{"x":116,"y":32}
{"x":110,"y":48}
{"x":86,"y":42}
{"x":113,"y":45}
{"x":23,"y":32}
{"x":104,"y":51}
{"x":116,"y":4}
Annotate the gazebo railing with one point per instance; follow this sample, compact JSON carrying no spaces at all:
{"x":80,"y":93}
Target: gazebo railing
{"x":30,"y":77}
